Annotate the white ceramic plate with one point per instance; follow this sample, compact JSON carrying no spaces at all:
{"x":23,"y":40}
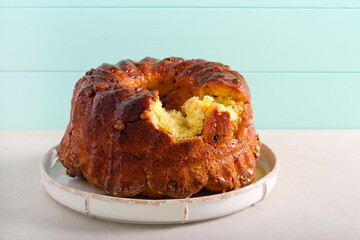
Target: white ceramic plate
{"x":79,"y":195}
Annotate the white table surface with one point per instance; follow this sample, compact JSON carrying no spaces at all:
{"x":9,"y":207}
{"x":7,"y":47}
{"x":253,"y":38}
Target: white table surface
{"x":317,"y":195}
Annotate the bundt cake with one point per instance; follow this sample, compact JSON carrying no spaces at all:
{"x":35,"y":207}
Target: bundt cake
{"x":161,"y":128}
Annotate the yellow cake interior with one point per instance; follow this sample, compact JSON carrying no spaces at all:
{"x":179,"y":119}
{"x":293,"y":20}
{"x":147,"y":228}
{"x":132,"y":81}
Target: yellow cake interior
{"x":189,"y":121}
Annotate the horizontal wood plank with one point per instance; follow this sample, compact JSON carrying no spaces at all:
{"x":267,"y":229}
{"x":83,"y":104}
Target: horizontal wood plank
{"x":42,"y":100}
{"x":77,"y":39}
{"x":184,"y":3}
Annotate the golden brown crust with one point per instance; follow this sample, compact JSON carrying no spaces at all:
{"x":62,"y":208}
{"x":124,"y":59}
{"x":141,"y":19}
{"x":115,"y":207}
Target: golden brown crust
{"x":116,"y":148}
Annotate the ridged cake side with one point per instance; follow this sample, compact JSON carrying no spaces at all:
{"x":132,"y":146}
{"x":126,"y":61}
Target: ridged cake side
{"x":114,"y":144}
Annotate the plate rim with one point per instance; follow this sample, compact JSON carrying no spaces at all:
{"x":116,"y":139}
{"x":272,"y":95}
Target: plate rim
{"x":45,"y":175}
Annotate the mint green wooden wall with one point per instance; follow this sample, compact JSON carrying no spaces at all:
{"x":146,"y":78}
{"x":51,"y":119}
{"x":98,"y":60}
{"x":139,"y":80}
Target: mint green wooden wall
{"x":301,"y":59}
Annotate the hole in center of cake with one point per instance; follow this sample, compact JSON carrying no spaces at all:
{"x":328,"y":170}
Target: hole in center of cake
{"x":189,"y":121}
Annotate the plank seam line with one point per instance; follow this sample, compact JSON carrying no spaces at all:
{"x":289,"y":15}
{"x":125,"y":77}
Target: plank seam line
{"x":179,"y":7}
